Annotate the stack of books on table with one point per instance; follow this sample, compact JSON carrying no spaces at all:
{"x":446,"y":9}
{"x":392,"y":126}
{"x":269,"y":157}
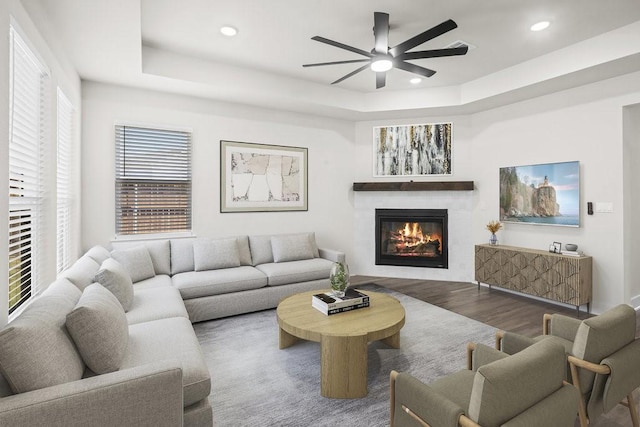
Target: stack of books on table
{"x":329,"y":304}
{"x":573,"y":253}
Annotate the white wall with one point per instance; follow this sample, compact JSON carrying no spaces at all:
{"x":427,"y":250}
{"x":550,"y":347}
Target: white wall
{"x":584,"y":124}
{"x":34,"y":29}
{"x":330,"y":153}
{"x":631,"y":159}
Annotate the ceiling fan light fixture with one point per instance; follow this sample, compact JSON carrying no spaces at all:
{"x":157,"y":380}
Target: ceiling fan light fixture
{"x":539,"y":26}
{"x":229,"y":31}
{"x":415,"y":80}
{"x":381,"y":65}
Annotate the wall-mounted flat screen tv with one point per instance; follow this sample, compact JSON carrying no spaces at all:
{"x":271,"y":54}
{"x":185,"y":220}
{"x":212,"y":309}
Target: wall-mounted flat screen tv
{"x":547,"y":194}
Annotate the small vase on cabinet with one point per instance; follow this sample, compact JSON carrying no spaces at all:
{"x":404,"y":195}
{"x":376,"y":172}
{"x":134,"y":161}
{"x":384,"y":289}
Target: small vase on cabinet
{"x":493,"y":239}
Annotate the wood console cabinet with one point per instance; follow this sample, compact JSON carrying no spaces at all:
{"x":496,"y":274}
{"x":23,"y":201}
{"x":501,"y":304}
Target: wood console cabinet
{"x":562,"y":278}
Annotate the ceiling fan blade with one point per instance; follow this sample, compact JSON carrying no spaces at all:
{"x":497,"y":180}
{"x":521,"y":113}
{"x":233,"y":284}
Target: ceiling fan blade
{"x":351,"y":61}
{"x":342,"y":46}
{"x":423,"y":37}
{"x":415,"y":69}
{"x":381,"y":79}
{"x":435,"y":53}
{"x":351,"y":74}
{"x":381,"y":32}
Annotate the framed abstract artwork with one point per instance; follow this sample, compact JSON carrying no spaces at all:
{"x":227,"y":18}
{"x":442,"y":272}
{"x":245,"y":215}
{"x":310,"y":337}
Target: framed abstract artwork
{"x":262,"y":178}
{"x":547,"y":194}
{"x":412,"y":150}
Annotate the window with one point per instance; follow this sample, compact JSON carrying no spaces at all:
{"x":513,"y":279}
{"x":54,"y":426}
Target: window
{"x":153,"y":180}
{"x":27,"y":132}
{"x":65,"y":183}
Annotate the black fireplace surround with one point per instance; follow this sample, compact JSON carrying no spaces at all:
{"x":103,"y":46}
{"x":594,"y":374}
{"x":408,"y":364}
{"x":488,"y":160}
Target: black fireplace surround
{"x":412,"y":237}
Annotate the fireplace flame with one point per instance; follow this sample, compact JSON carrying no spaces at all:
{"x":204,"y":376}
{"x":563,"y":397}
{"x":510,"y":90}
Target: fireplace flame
{"x":410,"y":239}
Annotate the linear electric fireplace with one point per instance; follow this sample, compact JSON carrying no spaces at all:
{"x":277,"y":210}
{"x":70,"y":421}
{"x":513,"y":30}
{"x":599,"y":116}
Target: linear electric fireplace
{"x":412,"y":237}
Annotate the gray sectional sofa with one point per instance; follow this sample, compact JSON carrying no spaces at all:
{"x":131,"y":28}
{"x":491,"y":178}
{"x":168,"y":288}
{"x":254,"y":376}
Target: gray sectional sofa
{"x":111,"y":343}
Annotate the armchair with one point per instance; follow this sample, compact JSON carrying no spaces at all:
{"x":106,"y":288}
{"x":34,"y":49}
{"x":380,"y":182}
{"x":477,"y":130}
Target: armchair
{"x":496,"y":389}
{"x":603,"y":358}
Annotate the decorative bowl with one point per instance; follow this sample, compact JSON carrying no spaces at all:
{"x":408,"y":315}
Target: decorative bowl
{"x":571,"y":247}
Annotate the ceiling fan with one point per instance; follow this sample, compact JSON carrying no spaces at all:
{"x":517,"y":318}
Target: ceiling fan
{"x":382,"y":58}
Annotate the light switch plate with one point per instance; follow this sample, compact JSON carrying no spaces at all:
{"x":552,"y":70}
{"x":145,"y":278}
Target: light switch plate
{"x":604,"y":207}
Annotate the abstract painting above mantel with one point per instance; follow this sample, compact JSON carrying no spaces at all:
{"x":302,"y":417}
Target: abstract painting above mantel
{"x":262,"y":178}
{"x":547,"y":194}
{"x":412,"y":150}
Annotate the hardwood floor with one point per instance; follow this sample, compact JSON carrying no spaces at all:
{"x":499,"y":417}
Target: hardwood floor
{"x":496,"y":308}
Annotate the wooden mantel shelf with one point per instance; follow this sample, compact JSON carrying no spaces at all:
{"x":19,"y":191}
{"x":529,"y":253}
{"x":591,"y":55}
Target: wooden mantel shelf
{"x":414,"y":186}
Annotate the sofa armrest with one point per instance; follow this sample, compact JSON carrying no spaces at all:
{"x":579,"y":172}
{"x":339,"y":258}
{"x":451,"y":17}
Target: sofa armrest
{"x":146,"y":395}
{"x":331,"y":255}
{"x":411,"y":399}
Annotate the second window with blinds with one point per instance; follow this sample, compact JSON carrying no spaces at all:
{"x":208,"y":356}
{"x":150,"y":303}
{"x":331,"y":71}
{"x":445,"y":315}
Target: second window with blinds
{"x":153,"y":180}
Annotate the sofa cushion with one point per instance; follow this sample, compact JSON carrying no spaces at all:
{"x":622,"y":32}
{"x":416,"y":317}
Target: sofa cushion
{"x":82,"y":271}
{"x":182,"y":255}
{"x":195,"y":284}
{"x":65,"y":287}
{"x":99,"y":329}
{"x":98,"y":253}
{"x":168,"y":339}
{"x":284,"y":273}
{"x":35,"y":348}
{"x":156,"y":303}
{"x":136,"y":260}
{"x":213,"y":254}
{"x":292,"y":247}
{"x":505,"y":388}
{"x":159,"y":281}
{"x":115,"y":278}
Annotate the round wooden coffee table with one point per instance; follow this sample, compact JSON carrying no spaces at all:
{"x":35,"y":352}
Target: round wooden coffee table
{"x":343,"y":337}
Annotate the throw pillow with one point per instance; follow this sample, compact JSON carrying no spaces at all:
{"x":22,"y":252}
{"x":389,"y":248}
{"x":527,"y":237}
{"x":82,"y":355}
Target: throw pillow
{"x":136,"y":261}
{"x":244,"y":250}
{"x":115,"y":278}
{"x":99,"y":329}
{"x":182,"y":255}
{"x":261,"y":249}
{"x":159,"y":251}
{"x":81,"y":272}
{"x":213,"y":254}
{"x":35,"y":349}
{"x":314,"y":245}
{"x":291,"y":247}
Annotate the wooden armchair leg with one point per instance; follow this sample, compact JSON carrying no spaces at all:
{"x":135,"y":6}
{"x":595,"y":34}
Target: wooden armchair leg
{"x":582,"y":410}
{"x":632,"y":409}
{"x":392,"y":394}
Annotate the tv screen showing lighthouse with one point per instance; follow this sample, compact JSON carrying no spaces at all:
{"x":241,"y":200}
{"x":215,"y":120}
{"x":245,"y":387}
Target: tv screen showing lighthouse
{"x":546,"y":194}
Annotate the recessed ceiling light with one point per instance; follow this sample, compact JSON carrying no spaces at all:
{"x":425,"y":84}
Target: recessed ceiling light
{"x":415,"y":80}
{"x":228,"y":31}
{"x":539,"y":26}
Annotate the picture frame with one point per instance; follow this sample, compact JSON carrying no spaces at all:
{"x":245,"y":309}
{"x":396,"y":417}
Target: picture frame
{"x":413,"y":150}
{"x":541,"y":194}
{"x":262,"y":178}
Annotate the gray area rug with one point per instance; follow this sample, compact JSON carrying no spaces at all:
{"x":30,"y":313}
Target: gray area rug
{"x":253,"y":383}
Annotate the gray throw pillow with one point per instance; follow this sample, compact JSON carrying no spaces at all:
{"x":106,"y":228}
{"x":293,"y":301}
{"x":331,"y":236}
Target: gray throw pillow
{"x":213,"y":254}
{"x":291,"y":247}
{"x":99,"y":329}
{"x":35,"y":349}
{"x":182,"y":255}
{"x":136,"y":261}
{"x":260,"y":249}
{"x":81,"y":272}
{"x":115,"y":278}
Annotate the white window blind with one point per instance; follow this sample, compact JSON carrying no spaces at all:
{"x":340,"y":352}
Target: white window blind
{"x":153,"y":180}
{"x":27,"y":132}
{"x":65,"y":182}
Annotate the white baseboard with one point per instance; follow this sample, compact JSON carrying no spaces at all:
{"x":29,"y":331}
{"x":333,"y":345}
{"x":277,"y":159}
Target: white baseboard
{"x":635,"y":302}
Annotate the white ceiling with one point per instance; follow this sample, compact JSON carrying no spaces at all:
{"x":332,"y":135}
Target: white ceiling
{"x":176,"y":46}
